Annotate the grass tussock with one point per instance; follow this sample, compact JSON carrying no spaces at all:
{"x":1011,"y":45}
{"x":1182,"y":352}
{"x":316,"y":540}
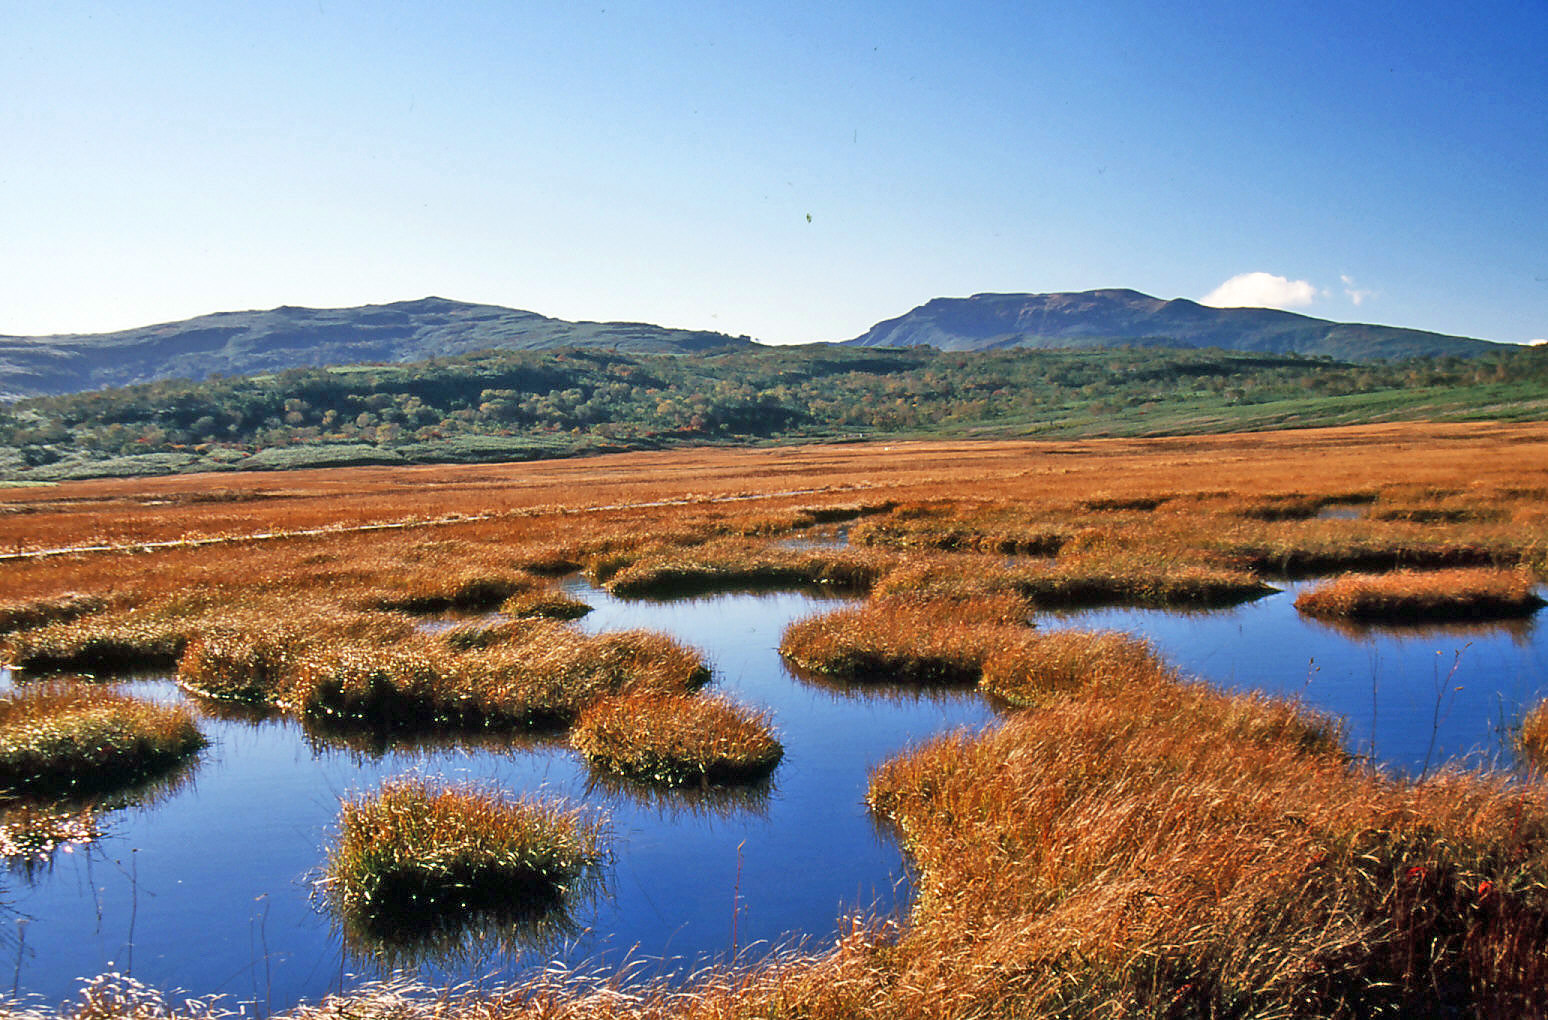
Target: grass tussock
{"x":424,"y":856}
{"x":928,"y":641}
{"x":24,"y":614}
{"x":1027,"y":672}
{"x":733,"y":566}
{"x":539,"y":676}
{"x":134,"y":639}
{"x":1135,"y":579}
{"x":1421,"y":596}
{"x":1177,"y":852}
{"x":60,"y":738}
{"x":545,"y":604}
{"x":961,"y":534}
{"x":1532,"y":738}
{"x":677,"y":739}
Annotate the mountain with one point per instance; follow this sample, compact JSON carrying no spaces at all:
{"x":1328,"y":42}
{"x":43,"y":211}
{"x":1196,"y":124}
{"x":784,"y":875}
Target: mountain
{"x":1109,"y":318}
{"x":242,"y":343}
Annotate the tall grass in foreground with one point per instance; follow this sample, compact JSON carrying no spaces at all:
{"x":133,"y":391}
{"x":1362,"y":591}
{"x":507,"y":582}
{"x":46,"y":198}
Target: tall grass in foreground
{"x":1532,"y":739}
{"x":677,"y":739}
{"x":58,"y":738}
{"x":1172,"y":851}
{"x":418,"y":862}
{"x":1416,"y":596}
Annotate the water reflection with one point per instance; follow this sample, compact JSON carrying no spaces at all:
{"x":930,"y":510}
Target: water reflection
{"x":707,"y":800}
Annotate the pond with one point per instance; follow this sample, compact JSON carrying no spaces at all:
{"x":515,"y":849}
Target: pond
{"x":1412,"y":697}
{"x":207,"y":888}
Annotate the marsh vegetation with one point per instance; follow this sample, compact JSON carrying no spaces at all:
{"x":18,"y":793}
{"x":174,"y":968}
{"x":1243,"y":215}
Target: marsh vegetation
{"x":1125,"y":840}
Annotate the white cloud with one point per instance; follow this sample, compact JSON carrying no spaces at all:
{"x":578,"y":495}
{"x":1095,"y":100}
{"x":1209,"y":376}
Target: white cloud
{"x":1354,"y":293}
{"x":1260,"y":290}
{"x":1537,"y":343}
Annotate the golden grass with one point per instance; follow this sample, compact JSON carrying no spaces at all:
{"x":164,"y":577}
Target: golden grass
{"x":733,"y":566}
{"x":1128,"y":845}
{"x":22,"y":614}
{"x":1532,"y":738}
{"x":132,"y":639}
{"x":677,"y":739}
{"x":1418,"y":596}
{"x":541,"y":675}
{"x":928,"y":641}
{"x":58,"y":738}
{"x":421,"y":860}
{"x":1027,"y":672}
{"x":545,"y":603}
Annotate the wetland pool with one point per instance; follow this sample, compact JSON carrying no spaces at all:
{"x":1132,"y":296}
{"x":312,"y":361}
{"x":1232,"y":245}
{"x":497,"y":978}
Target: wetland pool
{"x":206,"y":886}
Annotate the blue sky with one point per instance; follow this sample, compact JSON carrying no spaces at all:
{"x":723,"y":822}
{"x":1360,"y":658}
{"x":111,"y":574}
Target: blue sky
{"x":789,"y":171}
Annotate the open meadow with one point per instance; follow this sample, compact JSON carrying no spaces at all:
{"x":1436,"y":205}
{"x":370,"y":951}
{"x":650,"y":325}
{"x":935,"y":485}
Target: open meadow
{"x":1219,"y":726}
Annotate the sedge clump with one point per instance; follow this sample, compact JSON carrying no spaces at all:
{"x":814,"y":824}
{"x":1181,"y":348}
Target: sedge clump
{"x":677,"y":739}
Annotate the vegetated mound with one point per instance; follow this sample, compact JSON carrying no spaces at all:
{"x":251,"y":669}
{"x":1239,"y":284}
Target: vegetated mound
{"x":1116,"y":317}
{"x":240,"y":343}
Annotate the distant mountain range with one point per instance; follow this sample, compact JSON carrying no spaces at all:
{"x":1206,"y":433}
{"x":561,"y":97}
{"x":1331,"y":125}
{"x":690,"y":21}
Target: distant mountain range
{"x":244,"y":343}
{"x":1107,"y":318}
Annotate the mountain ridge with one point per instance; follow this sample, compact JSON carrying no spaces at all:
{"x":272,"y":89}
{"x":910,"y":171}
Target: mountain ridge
{"x":291,"y":336}
{"x":1118,"y":316}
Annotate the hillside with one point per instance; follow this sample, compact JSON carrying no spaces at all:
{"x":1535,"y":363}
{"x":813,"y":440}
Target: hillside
{"x":1107,"y":318}
{"x":522,"y":405}
{"x":243,"y":343}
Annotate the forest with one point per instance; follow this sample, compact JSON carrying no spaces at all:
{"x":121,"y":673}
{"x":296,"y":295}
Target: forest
{"x":516,"y":405}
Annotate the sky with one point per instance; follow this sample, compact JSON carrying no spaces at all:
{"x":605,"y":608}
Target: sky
{"x":790,"y":171}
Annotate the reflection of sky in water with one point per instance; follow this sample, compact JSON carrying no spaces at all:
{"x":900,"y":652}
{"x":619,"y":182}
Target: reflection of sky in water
{"x":1409,"y":694}
{"x":214,"y":881}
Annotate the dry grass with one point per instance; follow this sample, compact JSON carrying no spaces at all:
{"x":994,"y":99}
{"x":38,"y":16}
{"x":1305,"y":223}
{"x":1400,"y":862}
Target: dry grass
{"x":1130,"y":845}
{"x":541,"y":675}
{"x":1532,"y":738}
{"x":928,"y":641}
{"x":1027,"y":672}
{"x":677,"y":739}
{"x":58,"y":738}
{"x":420,"y":860}
{"x":737,"y":566}
{"x":1416,"y":597}
{"x":546,"y":604}
{"x":23,"y":614}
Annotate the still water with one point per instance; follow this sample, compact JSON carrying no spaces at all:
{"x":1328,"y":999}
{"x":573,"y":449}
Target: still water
{"x":1412,"y":697}
{"x":207,"y":889}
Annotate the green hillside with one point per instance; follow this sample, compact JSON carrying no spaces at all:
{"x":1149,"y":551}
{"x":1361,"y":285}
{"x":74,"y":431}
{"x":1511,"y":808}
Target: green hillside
{"x":511,"y":405}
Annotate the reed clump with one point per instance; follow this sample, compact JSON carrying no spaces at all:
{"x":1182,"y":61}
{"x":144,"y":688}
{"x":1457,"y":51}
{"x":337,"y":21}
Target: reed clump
{"x":677,"y":739}
{"x":732,"y":566}
{"x":131,"y":639}
{"x":57,"y":738}
{"x":546,"y":604}
{"x":1419,"y":596}
{"x":927,"y":641}
{"x":421,"y":853}
{"x":1125,"y":578}
{"x":24,"y":614}
{"x":1027,"y":672}
{"x":533,"y":677}
{"x":1532,"y":738}
{"x":1174,"y":851}
{"x":955,"y":534}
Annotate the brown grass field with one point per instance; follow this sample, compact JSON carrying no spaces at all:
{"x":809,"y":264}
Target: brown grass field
{"x":1126,"y":842}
